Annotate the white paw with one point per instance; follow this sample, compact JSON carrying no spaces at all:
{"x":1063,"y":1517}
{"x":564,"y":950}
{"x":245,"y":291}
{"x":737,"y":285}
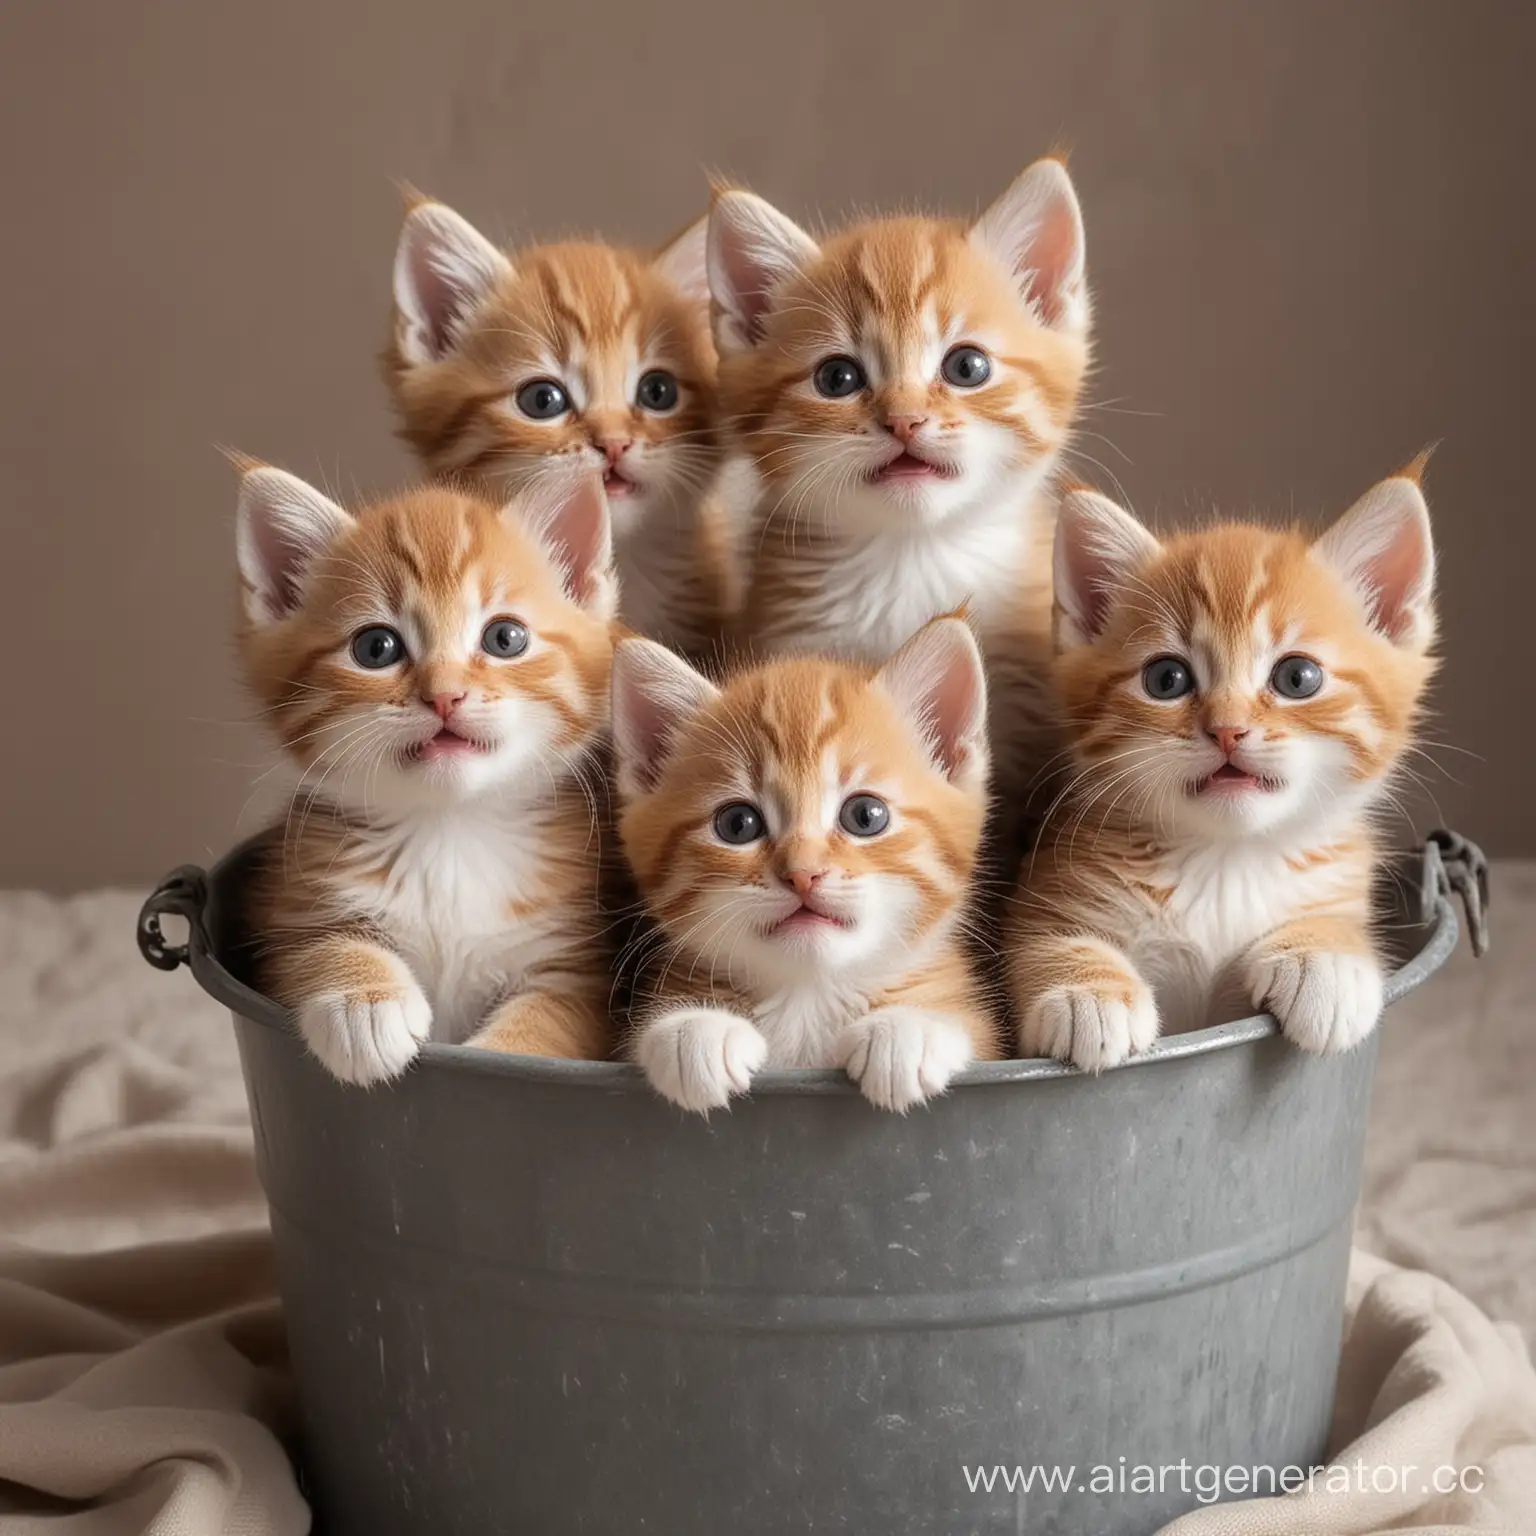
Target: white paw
{"x":365,"y":1038}
{"x":1092,"y":1030}
{"x":699,"y":1057}
{"x":1325,"y":1003}
{"x":901,"y":1056}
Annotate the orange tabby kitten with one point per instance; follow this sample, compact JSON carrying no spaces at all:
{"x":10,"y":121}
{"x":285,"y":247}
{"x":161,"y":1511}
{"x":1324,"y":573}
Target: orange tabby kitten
{"x":905,"y":389}
{"x":804,"y":839}
{"x":556,"y":362}
{"x":1238,"y":700}
{"x":437,"y":668}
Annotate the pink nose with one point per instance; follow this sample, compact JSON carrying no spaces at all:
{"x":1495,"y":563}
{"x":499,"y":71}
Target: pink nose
{"x":804,"y":881}
{"x":445,"y":704}
{"x":615,"y":450}
{"x":1226,"y":736}
{"x":904,"y":427}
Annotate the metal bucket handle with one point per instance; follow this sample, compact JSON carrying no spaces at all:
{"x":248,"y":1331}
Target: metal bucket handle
{"x":1453,"y":865}
{"x":183,"y":893}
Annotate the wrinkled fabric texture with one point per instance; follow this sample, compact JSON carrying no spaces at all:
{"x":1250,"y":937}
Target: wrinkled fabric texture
{"x":1432,"y":1396}
{"x":1450,"y":1167}
{"x":143,"y":1389}
{"x":143,"y":1385}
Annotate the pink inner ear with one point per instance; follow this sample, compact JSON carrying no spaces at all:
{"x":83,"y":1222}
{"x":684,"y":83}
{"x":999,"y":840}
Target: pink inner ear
{"x":441,"y":302}
{"x":282,"y":526}
{"x":443,"y":269}
{"x":1088,"y":596}
{"x":952,"y":711}
{"x":643,"y":727}
{"x":577,"y":532}
{"x":749,"y":285}
{"x":1099,"y":550}
{"x":936,"y":680}
{"x":1051,"y":259}
{"x":654,"y":693}
{"x":280,"y":557}
{"x":1395,"y":575}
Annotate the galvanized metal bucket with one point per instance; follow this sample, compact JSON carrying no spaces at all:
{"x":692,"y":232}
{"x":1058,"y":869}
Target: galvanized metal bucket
{"x":530,"y":1296}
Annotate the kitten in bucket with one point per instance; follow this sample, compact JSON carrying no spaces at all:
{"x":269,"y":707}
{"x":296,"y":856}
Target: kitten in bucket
{"x":804,"y":838}
{"x":537,"y":368}
{"x":437,"y":669}
{"x":1238,"y":701}
{"x":906,"y":388}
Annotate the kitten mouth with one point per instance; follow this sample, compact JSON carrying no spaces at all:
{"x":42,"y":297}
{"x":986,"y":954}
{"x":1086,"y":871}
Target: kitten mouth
{"x":907,"y":466}
{"x":808,"y":920}
{"x":446,"y":744}
{"x":1229,"y":779}
{"x":616,"y":485}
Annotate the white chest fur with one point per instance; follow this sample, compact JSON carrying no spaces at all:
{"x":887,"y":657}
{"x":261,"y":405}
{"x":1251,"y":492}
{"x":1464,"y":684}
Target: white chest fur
{"x":1223,"y":901}
{"x":452,"y":890}
{"x":802,"y":1023}
{"x":874,"y":593}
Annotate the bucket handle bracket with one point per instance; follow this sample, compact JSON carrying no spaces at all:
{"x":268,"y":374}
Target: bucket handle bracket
{"x":1455,"y":866}
{"x":182,"y":893}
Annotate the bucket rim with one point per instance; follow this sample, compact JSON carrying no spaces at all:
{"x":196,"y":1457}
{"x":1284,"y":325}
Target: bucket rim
{"x":188,"y":892}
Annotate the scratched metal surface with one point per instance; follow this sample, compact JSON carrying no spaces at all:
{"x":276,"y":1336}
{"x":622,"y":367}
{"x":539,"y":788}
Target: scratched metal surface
{"x":530,"y":1296}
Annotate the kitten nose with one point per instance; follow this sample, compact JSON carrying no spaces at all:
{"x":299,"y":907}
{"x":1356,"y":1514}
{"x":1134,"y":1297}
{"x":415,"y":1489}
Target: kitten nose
{"x":615,"y":448}
{"x":1226,"y":736}
{"x":445,"y":704}
{"x":804,"y":881}
{"x":904,"y":424}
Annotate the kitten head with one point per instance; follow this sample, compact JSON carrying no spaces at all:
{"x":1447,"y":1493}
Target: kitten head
{"x":807,"y":815}
{"x":1242,"y":681}
{"x":908,"y":369}
{"x":428,"y":648}
{"x":539,"y":368}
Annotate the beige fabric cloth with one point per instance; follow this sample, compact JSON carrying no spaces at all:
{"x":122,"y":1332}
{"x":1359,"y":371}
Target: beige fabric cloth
{"x":142,"y":1390}
{"x":1432,"y":1396}
{"x":1450,"y":1172}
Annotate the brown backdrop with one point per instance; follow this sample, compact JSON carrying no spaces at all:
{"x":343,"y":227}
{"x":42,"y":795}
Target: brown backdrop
{"x":1309,"y":233}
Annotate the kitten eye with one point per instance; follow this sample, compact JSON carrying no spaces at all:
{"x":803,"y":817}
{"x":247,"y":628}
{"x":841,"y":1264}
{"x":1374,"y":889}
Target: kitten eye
{"x":836,"y":377}
{"x":377,"y":647}
{"x":864,"y":816}
{"x":542,"y":400}
{"x":657,"y":391}
{"x":1167,"y":678}
{"x":966,"y":367}
{"x":504,"y":638}
{"x":738,"y":823}
{"x":1296,"y":677}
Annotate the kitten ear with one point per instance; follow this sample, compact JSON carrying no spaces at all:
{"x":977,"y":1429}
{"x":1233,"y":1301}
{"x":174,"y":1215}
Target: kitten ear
{"x":684,"y":261}
{"x":1036,"y":230}
{"x":939,"y":684}
{"x":281,"y":526}
{"x":577,"y":532}
{"x":444,"y":270}
{"x":752,"y":251}
{"x":1099,"y":548}
{"x":654,"y":694}
{"x":1384,"y":549}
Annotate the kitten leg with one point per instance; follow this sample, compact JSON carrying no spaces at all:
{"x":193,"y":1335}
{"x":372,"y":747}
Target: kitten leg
{"x":358,"y":1007}
{"x":698,"y":1057}
{"x":1081,"y":1000}
{"x":901,"y":1056}
{"x":547,"y":1023}
{"x":1320,"y":978}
